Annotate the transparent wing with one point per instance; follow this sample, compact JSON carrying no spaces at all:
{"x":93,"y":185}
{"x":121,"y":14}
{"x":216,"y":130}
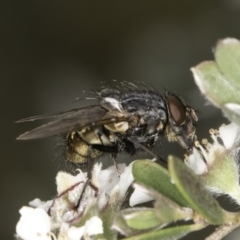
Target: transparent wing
{"x":75,"y":120}
{"x":39,"y":117}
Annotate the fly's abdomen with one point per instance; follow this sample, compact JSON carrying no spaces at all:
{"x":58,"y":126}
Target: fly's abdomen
{"x":83,"y":145}
{"x":78,"y":151}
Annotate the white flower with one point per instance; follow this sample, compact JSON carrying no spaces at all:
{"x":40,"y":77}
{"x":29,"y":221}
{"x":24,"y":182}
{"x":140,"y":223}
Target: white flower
{"x":109,"y":179}
{"x":75,"y":233}
{"x":228,"y":134}
{"x":113,"y":187}
{"x":209,"y":153}
{"x":37,"y":203}
{"x":34,"y":224}
{"x":217,"y":163}
{"x":93,"y":226}
{"x":105,"y":187}
{"x":196,"y":162}
{"x":139,"y":196}
{"x":77,"y":197}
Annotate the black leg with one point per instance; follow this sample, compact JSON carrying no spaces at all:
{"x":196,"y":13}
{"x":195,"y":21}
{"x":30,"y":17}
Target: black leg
{"x":89,"y":176}
{"x":114,"y":158}
{"x":106,"y":149}
{"x":139,"y":145}
{"x":83,"y":190}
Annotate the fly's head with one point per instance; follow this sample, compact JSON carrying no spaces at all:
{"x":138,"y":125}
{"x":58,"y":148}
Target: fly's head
{"x":180,"y":122}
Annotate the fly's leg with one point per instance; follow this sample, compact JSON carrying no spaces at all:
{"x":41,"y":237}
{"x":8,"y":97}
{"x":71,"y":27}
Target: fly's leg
{"x":147,"y":150}
{"x":83,"y":191}
{"x":114,"y":158}
{"x":110,"y":149}
{"x":89,"y":177}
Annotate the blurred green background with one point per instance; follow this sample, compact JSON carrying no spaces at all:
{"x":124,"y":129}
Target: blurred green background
{"x":50,"y":51}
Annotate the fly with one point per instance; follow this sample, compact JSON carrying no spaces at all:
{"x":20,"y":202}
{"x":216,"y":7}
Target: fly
{"x":128,"y":119}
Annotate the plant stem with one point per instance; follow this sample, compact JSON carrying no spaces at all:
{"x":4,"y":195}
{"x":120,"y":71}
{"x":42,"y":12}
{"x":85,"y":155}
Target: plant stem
{"x":222,"y":231}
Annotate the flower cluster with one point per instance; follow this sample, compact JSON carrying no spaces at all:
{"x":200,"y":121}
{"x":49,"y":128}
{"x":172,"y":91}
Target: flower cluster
{"x":79,"y":208}
{"x":217,"y":162}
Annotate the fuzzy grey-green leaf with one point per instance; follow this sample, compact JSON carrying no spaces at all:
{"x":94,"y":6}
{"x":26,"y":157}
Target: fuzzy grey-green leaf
{"x":168,"y":211}
{"x":141,"y":218}
{"x":232,"y":112}
{"x":169,"y":233}
{"x":194,"y":192}
{"x":153,"y":175}
{"x":227,"y":56}
{"x":165,"y":210}
{"x":121,"y":226}
{"x":214,"y":85}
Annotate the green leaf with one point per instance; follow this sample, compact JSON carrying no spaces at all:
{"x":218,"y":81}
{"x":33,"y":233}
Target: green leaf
{"x":165,"y":209}
{"x":107,"y":215}
{"x":220,"y":81}
{"x":121,"y":226}
{"x":194,"y":192}
{"x":140,"y":218}
{"x":232,"y":112}
{"x":227,"y":56}
{"x":214,"y":85}
{"x":154,"y":176}
{"x":223,"y":178}
{"x":169,"y":233}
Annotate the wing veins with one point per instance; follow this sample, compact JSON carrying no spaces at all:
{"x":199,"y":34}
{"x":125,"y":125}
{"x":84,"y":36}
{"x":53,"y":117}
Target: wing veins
{"x":94,"y":116}
{"x":44,"y":116}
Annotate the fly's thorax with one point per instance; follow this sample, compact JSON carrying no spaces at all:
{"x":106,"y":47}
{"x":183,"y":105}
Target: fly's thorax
{"x":161,"y":126}
{"x":144,"y":109}
{"x":149,"y":123}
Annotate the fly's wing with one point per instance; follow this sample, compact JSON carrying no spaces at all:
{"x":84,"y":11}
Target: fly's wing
{"x":89,"y":116}
{"x":57,"y":114}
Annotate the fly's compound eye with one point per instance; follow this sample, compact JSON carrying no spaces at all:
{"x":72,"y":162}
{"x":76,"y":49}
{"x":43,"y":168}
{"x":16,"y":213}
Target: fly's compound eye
{"x":176,"y":109}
